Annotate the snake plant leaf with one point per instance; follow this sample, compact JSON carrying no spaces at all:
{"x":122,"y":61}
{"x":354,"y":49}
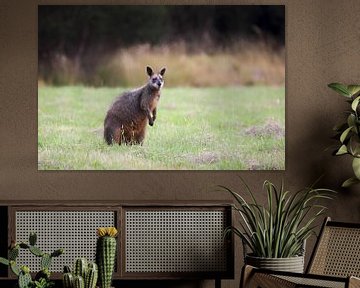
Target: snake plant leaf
{"x":349,"y":182}
{"x":354,"y":90}
{"x":340,"y":88}
{"x":278,"y":228}
{"x":342,"y":150}
{"x":345,"y":134}
{"x":355,"y":103}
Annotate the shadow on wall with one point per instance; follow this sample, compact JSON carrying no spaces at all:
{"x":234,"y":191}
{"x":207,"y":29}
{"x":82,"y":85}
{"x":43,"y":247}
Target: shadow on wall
{"x":317,"y":162}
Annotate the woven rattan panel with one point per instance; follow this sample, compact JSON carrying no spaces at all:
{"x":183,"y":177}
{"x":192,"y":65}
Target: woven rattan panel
{"x":75,"y":231}
{"x":175,"y":241}
{"x":311,"y":282}
{"x":338,"y":253}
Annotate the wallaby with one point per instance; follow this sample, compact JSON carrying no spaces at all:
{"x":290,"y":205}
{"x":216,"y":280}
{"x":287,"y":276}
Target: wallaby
{"x":127,"y":118}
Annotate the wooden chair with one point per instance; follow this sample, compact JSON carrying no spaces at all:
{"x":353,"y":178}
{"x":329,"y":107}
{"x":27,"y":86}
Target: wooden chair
{"x":334,"y":263}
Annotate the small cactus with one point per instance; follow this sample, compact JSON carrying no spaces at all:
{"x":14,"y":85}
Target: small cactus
{"x":25,"y":269}
{"x":57,"y":252}
{"x":14,"y":268}
{"x":105,"y":254}
{"x":44,"y":273}
{"x":45,"y":261}
{"x":23,"y":273}
{"x":89,"y":272}
{"x":80,"y":267}
{"x":36,"y":251}
{"x":91,"y":276}
{"x":24,"y":245}
{"x":79,"y":282}
{"x":67,"y":269}
{"x":68,"y":280}
{"x":24,"y":277}
{"x":32,"y":239}
{"x":13,"y":253}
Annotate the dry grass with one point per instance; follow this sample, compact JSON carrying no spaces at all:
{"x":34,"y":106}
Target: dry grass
{"x":242,"y":64}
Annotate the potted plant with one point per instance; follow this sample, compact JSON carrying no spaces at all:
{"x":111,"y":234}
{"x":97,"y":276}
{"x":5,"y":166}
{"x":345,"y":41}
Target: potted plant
{"x":106,"y":254}
{"x":276,"y":233}
{"x":87,"y":274}
{"x":84,"y":274}
{"x":348,"y":132}
{"x":42,"y":278}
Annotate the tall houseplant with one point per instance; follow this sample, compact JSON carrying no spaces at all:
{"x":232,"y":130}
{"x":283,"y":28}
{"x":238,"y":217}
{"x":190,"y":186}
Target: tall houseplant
{"x":276,"y":233}
{"x":348,"y":132}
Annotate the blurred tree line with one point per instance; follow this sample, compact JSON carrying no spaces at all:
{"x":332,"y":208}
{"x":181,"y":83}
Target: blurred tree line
{"x":86,"y":35}
{"x":73,"y":29}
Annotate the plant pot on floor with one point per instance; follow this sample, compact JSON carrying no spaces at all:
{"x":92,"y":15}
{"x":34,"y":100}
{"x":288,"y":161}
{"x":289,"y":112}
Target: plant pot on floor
{"x":290,"y":264}
{"x":276,"y":233}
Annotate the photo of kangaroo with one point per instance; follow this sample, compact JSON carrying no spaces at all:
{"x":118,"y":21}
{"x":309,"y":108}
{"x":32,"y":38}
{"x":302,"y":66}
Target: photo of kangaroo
{"x":161,"y":87}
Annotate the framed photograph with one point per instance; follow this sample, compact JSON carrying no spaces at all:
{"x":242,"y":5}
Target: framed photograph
{"x":161,"y":87}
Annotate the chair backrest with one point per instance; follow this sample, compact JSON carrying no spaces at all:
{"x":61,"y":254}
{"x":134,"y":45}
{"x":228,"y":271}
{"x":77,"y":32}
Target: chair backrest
{"x":337,"y":251}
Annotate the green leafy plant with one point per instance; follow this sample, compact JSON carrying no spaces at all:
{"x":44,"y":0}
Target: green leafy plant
{"x":42,"y":278}
{"x":280,"y":229}
{"x":348,"y":132}
{"x":43,"y":283}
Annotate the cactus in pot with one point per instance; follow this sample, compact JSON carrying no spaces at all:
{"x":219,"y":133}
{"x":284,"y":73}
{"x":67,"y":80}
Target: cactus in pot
{"x":106,"y":254}
{"x":85,"y":275}
{"x":81,"y":265}
{"x":25,"y":279}
{"x":68,"y":278}
{"x":91,"y":276}
{"x":42,"y":278}
{"x":79,"y":282}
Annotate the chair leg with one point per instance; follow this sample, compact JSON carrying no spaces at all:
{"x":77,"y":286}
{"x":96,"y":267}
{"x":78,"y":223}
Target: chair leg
{"x":217,"y":283}
{"x":246,"y":273}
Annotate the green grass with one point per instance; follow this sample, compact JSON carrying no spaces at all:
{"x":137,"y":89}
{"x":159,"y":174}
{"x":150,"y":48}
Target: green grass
{"x":227,"y":128}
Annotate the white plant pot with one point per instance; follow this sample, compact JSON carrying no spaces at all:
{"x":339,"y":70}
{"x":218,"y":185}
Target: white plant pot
{"x":291,"y":264}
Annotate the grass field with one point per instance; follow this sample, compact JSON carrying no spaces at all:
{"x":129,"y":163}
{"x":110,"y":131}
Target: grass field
{"x":227,"y":128}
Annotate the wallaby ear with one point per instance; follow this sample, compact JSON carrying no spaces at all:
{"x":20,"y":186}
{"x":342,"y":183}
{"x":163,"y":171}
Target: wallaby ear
{"x":149,"y":71}
{"x":162,"y":71}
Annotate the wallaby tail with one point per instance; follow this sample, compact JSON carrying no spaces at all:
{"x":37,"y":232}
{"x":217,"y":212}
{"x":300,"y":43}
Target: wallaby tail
{"x":108,"y":135}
